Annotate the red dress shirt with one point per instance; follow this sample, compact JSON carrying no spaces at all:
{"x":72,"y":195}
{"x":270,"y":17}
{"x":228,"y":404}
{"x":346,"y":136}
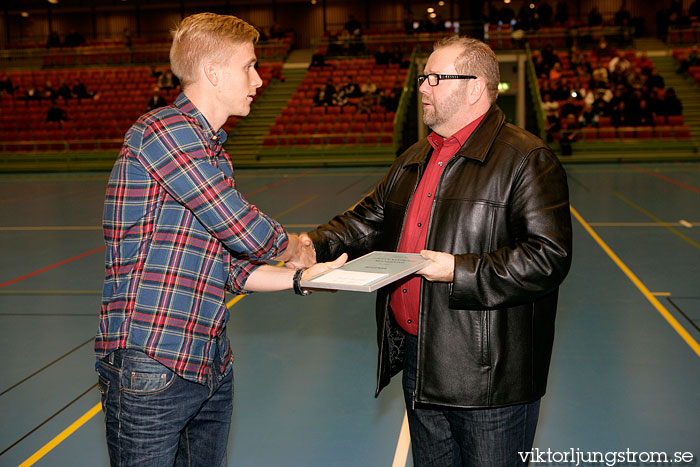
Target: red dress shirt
{"x":405,"y":299}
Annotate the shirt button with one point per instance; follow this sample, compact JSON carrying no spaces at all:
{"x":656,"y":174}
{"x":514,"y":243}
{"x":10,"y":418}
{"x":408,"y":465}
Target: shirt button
{"x":419,"y":224}
{"x":405,"y":290}
{"x":409,"y":321}
{"x":440,"y":164}
{"x":429,"y":195}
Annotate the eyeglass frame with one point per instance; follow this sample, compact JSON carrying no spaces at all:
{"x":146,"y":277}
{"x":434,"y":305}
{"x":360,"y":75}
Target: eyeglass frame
{"x":438,"y":77}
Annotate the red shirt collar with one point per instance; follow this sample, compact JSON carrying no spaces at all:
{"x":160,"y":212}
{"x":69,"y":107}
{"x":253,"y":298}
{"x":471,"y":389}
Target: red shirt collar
{"x":459,"y":138}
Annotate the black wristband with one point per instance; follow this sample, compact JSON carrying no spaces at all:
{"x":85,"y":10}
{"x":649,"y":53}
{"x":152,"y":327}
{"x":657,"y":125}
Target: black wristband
{"x":296,"y":283}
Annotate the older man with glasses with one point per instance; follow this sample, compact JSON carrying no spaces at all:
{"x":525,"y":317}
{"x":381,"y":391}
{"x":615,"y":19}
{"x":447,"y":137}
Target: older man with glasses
{"x":488,"y":203}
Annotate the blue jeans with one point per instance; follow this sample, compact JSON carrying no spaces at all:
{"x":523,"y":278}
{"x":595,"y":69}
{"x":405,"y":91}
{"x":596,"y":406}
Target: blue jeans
{"x":156,"y":418}
{"x":451,"y":437}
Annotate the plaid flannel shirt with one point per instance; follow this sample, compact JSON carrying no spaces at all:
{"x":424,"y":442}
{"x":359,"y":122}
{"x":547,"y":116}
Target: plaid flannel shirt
{"x":178,"y":234}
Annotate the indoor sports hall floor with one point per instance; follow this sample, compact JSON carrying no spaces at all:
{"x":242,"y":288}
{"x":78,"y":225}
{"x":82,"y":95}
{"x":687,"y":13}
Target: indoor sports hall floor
{"x":624,"y":380}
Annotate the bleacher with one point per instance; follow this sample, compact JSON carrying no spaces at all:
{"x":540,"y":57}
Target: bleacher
{"x":93,"y":124}
{"x":302,"y":123}
{"x":665,"y":128}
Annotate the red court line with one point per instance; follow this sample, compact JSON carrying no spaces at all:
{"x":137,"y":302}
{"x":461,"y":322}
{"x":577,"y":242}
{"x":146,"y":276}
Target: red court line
{"x":664,"y":177}
{"x":52,"y":266}
{"x":267,"y":187}
{"x":281,"y":182}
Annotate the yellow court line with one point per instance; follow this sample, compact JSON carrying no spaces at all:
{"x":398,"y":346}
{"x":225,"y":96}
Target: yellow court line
{"x":297,"y":206}
{"x":662,"y":294}
{"x":63,"y":435}
{"x":641,"y":224}
{"x":97,"y":408}
{"x":665,"y":224}
{"x":88,"y":415}
{"x":642,"y":288}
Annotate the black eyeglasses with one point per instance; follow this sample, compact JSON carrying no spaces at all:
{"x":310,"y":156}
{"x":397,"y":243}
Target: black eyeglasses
{"x":434,"y":78}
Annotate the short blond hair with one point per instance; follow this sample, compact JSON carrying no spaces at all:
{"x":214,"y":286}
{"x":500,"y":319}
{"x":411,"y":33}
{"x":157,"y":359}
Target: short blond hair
{"x":476,"y":59}
{"x":206,"y":36}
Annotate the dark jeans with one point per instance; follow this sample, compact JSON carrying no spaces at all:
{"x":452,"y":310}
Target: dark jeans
{"x":450,"y":437}
{"x":156,"y":418}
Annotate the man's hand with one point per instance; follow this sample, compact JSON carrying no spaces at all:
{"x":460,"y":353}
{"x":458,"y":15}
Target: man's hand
{"x":320,"y":268}
{"x":441,"y":269}
{"x":299,"y":254}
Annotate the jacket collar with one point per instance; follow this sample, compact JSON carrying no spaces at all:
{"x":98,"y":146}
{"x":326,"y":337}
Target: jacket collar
{"x":478,"y":144}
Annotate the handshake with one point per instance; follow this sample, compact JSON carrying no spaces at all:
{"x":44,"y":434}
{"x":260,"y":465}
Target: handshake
{"x":301,"y":254}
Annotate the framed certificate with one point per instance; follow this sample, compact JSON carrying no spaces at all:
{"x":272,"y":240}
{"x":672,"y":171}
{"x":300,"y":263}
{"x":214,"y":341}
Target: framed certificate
{"x":369,"y":272}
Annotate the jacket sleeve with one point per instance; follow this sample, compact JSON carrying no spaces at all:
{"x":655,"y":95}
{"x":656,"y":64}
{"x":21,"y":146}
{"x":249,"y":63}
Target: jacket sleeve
{"x":539,"y":256}
{"x":358,"y":230}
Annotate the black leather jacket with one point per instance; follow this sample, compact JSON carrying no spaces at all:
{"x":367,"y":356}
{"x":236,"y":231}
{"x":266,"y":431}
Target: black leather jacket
{"x":502,"y":208}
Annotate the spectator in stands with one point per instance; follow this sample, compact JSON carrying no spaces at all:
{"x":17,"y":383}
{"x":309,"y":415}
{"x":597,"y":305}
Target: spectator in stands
{"x":329,"y":90}
{"x":643,"y":63}
{"x":353,"y":26}
{"x":320,"y":97}
{"x":126,"y":34}
{"x":692,"y":59}
{"x":645,"y":116}
{"x":74,"y":39}
{"x":594,"y":17}
{"x":556,"y":72}
{"x":81,"y":92}
{"x":589,"y":117}
{"x":54,"y":40}
{"x":570,"y":106}
{"x":622,"y":16}
{"x":391,"y":99}
{"x":549,"y":56}
{"x":569,"y":133}
{"x":382,"y":57}
{"x":561,"y":13}
{"x":366,"y":103}
{"x":6,"y":86}
{"x":672,"y":105}
{"x":56,"y":114}
{"x":601,"y":104}
{"x":317,"y":60}
{"x":49,"y":92}
{"x":549,"y":107}
{"x":544,"y":14}
{"x":655,"y":80}
{"x":655,"y":103}
{"x":620,"y":116}
{"x":368,"y":87}
{"x":603,"y":51}
{"x":156,"y":100}
{"x":166,"y":80}
{"x":64,"y":91}
{"x":350,"y":88}
{"x":156,"y":72}
{"x":694,"y":11}
{"x":600,"y":78}
{"x":31,"y":94}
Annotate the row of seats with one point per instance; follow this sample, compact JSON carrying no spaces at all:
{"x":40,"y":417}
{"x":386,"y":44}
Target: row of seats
{"x":98,"y":123}
{"x":301,"y":120}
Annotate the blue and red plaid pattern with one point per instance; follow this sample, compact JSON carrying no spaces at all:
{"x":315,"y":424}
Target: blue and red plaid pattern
{"x":178,"y":234}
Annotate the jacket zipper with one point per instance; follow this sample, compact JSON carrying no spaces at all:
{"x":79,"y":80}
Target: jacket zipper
{"x":386,"y":316}
{"x":420,"y":296}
